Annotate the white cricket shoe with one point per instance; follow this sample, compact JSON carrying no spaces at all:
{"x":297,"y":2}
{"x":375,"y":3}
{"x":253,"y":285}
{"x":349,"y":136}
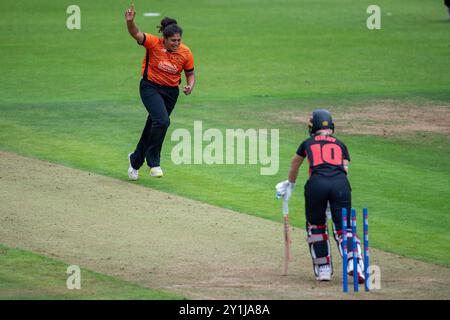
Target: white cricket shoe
{"x":324,"y":273}
{"x":350,"y":271}
{"x":133,"y":174}
{"x":156,"y":172}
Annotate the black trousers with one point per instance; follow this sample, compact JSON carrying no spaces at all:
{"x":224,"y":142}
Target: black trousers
{"x":159,"y":102}
{"x":320,"y":190}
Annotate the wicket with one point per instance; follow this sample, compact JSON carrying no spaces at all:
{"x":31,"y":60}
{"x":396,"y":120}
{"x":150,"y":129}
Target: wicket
{"x":366,"y":248}
{"x":355,"y":250}
{"x":344,"y":251}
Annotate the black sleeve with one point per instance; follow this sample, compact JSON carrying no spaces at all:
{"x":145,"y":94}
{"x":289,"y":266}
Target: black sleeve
{"x":301,"y":151}
{"x":143,"y":41}
{"x":345,"y":154}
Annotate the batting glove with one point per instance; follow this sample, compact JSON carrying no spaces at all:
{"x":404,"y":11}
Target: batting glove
{"x":284,"y":189}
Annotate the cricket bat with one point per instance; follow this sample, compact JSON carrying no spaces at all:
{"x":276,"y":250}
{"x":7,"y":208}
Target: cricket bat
{"x":287,"y":237}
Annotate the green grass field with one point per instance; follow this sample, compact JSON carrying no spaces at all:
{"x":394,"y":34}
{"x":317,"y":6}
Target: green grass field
{"x":71,"y":97}
{"x":28,"y":276}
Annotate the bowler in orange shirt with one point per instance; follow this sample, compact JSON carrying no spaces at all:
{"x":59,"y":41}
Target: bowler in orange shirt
{"x":164,"y":61}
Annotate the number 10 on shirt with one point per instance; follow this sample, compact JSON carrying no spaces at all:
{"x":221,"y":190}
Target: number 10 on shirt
{"x":329,"y":153}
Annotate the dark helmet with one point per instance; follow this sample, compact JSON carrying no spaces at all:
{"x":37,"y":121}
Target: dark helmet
{"x":320,"y":119}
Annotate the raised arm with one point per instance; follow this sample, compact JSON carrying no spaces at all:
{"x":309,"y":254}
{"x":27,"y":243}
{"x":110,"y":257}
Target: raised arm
{"x":132,"y":28}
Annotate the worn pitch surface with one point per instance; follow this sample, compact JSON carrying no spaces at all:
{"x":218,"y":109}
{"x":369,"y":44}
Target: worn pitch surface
{"x":167,"y":242}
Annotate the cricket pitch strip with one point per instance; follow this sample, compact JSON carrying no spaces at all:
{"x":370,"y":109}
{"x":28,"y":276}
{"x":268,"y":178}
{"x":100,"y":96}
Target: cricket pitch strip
{"x":167,"y":242}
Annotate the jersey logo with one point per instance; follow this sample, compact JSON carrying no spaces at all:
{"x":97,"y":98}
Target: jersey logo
{"x":167,"y":67}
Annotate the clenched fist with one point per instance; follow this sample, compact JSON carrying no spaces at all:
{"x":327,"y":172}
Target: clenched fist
{"x":130,"y":13}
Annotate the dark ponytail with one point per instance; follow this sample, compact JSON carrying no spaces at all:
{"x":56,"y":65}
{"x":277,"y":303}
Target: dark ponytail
{"x":169,"y":27}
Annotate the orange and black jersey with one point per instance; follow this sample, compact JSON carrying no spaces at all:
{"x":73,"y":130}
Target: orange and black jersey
{"x":325,"y":154}
{"x":164,"y":67}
